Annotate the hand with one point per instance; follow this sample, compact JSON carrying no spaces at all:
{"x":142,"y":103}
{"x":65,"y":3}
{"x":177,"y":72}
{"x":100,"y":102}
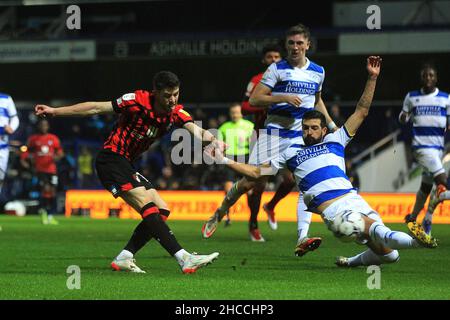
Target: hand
{"x":212,"y":153}
{"x":293,"y":100}
{"x":8,"y":129}
{"x":41,"y":110}
{"x":219,"y":144}
{"x":373,"y":66}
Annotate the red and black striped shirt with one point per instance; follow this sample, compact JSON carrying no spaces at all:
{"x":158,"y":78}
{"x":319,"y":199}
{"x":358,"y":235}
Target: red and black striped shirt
{"x":138,"y":126}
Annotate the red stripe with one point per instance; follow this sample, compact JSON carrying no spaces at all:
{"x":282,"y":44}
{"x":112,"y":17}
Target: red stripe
{"x":150,"y":211}
{"x":163,"y":217}
{"x":126,"y":187}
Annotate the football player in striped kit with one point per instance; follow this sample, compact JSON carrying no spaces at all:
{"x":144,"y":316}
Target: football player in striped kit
{"x":9,"y":122}
{"x":288,"y":89}
{"x":319,"y":168}
{"x":429,"y":110}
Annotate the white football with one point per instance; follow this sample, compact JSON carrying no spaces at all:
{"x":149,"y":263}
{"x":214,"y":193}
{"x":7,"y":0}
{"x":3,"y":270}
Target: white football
{"x":348,"y":225}
{"x":15,"y":207}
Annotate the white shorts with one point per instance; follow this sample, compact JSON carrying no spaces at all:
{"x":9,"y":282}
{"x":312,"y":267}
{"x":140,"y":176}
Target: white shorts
{"x":269,"y":146}
{"x":354,"y":202}
{"x":4,"y":155}
{"x":431,"y":162}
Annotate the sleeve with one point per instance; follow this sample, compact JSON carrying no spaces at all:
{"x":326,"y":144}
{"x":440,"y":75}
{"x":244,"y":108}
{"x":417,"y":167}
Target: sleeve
{"x":340,"y":136}
{"x":181,"y":117}
{"x":322,"y":79}
{"x":12,"y":112}
{"x":282,"y":159}
{"x":57,"y":143}
{"x":271,"y":76}
{"x":128,"y":103}
{"x":407,"y":106}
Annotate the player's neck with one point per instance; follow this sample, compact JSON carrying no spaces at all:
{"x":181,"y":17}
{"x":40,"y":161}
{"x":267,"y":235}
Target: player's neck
{"x":428,"y":90}
{"x":299,"y":63}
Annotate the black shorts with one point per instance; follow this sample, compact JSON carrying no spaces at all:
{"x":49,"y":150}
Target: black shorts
{"x":45,"y":178}
{"x":117,"y":174}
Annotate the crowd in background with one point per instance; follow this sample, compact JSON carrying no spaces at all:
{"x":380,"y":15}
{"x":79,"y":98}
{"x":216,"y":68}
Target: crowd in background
{"x":83,"y":138}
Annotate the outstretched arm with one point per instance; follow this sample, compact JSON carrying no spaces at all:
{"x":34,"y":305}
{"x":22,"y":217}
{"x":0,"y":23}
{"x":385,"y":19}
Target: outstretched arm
{"x":79,"y":109}
{"x":320,"y":106}
{"x":262,"y":97}
{"x":362,"y":108}
{"x":204,"y":135}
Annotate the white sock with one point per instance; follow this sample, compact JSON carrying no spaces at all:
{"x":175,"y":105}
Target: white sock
{"x":420,"y":202}
{"x":230,"y":199}
{"x":381,"y":234}
{"x":303,"y":219}
{"x":428,"y":217}
{"x":124,"y":254}
{"x":366,"y":258}
{"x":181,"y":255}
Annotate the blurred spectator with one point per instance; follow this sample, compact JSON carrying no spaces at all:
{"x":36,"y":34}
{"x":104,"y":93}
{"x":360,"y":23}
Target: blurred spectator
{"x":167,"y":181}
{"x":213,"y":123}
{"x":390,"y":123}
{"x":335,"y":114}
{"x":85,"y":171}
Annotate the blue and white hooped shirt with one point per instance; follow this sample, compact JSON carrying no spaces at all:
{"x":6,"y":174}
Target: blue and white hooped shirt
{"x":304,"y":82}
{"x":319,"y":169}
{"x":429,"y":114}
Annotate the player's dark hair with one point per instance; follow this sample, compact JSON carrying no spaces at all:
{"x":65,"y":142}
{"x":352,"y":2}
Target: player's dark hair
{"x":273,"y":47}
{"x":314,"y":114}
{"x":165,"y":79}
{"x":428,"y":65}
{"x":298,"y":29}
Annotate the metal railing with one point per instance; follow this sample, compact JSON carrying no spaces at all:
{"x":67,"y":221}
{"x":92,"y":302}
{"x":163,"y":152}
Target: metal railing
{"x":375,"y":148}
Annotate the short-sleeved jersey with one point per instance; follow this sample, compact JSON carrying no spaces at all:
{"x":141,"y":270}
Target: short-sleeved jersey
{"x":259,"y":114}
{"x":237,"y":136}
{"x":42,"y":149}
{"x":7,"y":111}
{"x":429,"y":114}
{"x":305,"y":82}
{"x":139,"y":126}
{"x":318,"y":169}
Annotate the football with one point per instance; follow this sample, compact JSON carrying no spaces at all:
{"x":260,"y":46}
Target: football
{"x":348,"y":225}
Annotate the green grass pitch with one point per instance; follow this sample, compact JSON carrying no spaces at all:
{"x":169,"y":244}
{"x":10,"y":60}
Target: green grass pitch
{"x":35,"y":258}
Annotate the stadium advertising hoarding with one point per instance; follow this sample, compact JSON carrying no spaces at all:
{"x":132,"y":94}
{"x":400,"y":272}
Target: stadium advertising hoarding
{"x":47,"y":51}
{"x":199,"y":205}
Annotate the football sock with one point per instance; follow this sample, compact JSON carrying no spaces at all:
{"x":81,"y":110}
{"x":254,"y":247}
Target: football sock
{"x":180,"y":255}
{"x":428,"y":217}
{"x":140,"y":237}
{"x":381,"y":234}
{"x":124,"y":254}
{"x":230,"y":199}
{"x":254,"y":200}
{"x":303,"y":219}
{"x":164,"y":214}
{"x":368,"y":258}
{"x":421,"y":197}
{"x":282,"y":191}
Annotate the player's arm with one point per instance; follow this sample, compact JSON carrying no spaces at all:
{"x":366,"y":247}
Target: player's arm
{"x":320,"y":106}
{"x":13,"y":124}
{"x":403,"y":117}
{"x":79,"y":109}
{"x":262,"y":97}
{"x":362,"y":108}
{"x":204,"y":135}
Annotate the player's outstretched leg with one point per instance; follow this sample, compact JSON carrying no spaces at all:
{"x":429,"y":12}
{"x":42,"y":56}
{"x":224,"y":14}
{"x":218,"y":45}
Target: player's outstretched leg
{"x":368,"y":258}
{"x":237,"y":190}
{"x":153,"y":226}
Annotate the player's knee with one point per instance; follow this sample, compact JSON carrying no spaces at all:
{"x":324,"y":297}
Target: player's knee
{"x":164,"y":213}
{"x":150,"y":209}
{"x":391,"y":257}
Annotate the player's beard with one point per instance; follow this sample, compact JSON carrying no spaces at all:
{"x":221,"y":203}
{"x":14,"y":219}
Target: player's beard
{"x":310,"y":140}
